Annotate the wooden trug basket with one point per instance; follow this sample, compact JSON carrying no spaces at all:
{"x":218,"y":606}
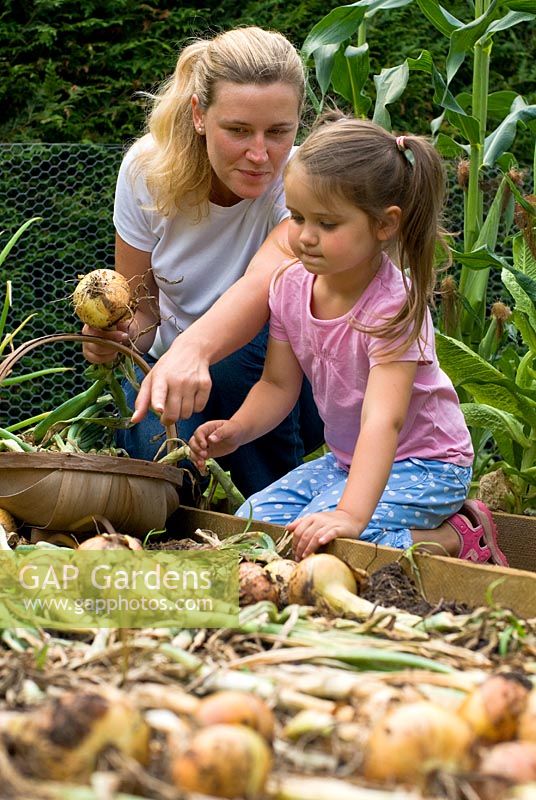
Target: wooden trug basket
{"x":63,"y":491}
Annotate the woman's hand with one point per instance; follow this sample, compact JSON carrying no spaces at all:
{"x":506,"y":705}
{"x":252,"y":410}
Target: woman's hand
{"x":97,"y":353}
{"x":316,"y":530}
{"x":219,"y":437}
{"x":177,"y":386}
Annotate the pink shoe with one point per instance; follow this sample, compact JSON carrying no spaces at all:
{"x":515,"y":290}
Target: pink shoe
{"x":478,"y":534}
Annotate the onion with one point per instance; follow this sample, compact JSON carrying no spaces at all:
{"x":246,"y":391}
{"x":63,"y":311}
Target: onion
{"x":7,"y":521}
{"x":325,"y":581}
{"x":62,"y":739}
{"x":102,"y":298}
{"x":494,"y":707}
{"x":111,"y":541}
{"x":513,"y":761}
{"x":255,"y":585}
{"x":279,"y":570}
{"x":238,"y":708}
{"x":415,"y":738}
{"x":224,"y":761}
{"x":527,"y":719}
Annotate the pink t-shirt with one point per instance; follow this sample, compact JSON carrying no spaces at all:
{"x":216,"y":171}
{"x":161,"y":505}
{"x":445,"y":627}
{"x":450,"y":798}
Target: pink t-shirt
{"x":337,"y":359}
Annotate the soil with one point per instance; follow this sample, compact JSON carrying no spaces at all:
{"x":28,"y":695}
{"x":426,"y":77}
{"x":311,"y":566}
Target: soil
{"x":391,"y":586}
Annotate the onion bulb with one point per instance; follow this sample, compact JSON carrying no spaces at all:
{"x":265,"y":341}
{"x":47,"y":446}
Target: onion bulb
{"x":111,"y":541}
{"x":512,"y":761}
{"x":416,"y":738}
{"x":494,"y":707}
{"x":102,"y":298}
{"x":325,"y":581}
{"x":255,"y":585}
{"x":62,"y":739}
{"x":236,"y":708}
{"x":224,"y":761}
{"x":279,"y":571}
{"x":527,"y":721}
{"x":7,"y":521}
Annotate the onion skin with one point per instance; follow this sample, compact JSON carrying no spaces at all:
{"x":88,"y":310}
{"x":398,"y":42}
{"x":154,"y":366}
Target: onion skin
{"x":7,"y":521}
{"x":102,"y":298}
{"x":527,"y":720}
{"x":224,"y":761}
{"x":62,"y":739}
{"x":111,"y":541}
{"x":493,"y":708}
{"x":413,"y":739}
{"x":280,"y":570}
{"x":236,"y":708}
{"x":512,"y":761}
{"x":255,"y":585}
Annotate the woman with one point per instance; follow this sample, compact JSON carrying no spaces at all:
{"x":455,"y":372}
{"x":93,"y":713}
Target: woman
{"x":200,"y":208}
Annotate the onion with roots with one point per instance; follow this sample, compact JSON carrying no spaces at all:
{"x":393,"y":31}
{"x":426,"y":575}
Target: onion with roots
{"x":62,"y":739}
{"x":236,"y":708}
{"x":102,"y":298}
{"x":224,"y":761}
{"x":414,"y":739}
{"x":493,"y":709}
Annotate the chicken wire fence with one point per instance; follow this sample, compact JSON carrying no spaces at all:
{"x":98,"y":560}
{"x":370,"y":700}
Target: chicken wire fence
{"x":71,"y":187}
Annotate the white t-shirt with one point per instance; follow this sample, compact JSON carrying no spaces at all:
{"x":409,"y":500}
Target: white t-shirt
{"x":193,"y":262}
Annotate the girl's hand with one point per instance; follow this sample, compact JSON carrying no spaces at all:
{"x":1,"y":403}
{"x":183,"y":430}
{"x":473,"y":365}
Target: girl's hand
{"x":219,"y":437}
{"x":316,"y":530}
{"x":100,"y":353}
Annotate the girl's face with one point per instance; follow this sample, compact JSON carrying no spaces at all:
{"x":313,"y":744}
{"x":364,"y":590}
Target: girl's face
{"x":249,"y":131}
{"x":333,"y":238}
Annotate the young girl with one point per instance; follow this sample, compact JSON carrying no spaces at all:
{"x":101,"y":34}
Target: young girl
{"x":345,"y":315}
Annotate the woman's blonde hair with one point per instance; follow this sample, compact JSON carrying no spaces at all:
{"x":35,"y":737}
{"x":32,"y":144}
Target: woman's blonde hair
{"x":177,"y":164}
{"x":372,"y":169}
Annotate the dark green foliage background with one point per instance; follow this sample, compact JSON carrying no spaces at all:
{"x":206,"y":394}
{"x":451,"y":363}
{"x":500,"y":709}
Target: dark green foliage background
{"x":69,"y":71}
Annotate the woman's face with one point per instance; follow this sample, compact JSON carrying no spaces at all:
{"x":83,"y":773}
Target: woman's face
{"x":249,"y":131}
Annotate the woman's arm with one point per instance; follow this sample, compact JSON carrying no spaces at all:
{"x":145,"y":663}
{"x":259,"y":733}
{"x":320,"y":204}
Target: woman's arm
{"x":179,"y":384}
{"x":140,"y":329}
{"x":385,"y":408}
{"x":266,"y":405}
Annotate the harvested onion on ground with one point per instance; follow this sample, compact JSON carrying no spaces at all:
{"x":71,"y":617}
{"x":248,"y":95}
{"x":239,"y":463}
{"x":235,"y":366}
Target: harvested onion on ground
{"x":111,"y":541}
{"x":280,"y":570}
{"x":493,"y":708}
{"x":224,"y":761}
{"x":513,"y":761}
{"x":414,"y":739}
{"x":62,"y":739}
{"x":236,"y":708}
{"x":255,"y":585}
{"x":102,"y":298}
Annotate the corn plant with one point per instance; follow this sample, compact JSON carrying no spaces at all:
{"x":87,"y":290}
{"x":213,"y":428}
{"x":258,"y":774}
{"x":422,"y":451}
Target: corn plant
{"x":338,"y":46}
{"x":501,"y":405}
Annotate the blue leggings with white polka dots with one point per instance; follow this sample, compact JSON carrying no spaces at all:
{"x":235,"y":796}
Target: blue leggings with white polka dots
{"x":420,"y":494}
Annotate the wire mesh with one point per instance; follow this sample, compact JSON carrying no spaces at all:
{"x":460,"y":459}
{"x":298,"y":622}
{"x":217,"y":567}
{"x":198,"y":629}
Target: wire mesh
{"x":71,"y":187}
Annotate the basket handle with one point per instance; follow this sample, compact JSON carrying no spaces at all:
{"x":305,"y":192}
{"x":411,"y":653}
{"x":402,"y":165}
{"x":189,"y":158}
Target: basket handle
{"x":6,"y":366}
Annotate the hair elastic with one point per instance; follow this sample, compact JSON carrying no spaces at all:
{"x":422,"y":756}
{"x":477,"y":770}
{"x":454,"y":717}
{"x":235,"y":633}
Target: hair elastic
{"x":406,"y":151}
{"x":401,"y":143}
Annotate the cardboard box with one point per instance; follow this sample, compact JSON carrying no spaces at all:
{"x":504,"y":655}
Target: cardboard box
{"x":442,"y":578}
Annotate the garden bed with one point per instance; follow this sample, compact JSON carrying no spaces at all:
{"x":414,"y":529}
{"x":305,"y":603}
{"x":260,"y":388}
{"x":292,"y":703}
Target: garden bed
{"x":443,"y":579}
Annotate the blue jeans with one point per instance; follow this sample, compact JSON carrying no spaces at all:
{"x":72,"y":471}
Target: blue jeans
{"x":420,"y":494}
{"x":257,"y":464}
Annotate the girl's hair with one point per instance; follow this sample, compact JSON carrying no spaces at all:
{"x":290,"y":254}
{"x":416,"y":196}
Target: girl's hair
{"x":177,"y":164}
{"x":373,"y":169}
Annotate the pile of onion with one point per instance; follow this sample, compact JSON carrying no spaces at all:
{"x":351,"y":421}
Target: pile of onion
{"x":102,"y":298}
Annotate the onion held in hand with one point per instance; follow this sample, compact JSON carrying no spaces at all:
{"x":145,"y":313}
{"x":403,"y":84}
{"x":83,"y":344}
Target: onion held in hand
{"x":224,"y":761}
{"x":102,"y":298}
